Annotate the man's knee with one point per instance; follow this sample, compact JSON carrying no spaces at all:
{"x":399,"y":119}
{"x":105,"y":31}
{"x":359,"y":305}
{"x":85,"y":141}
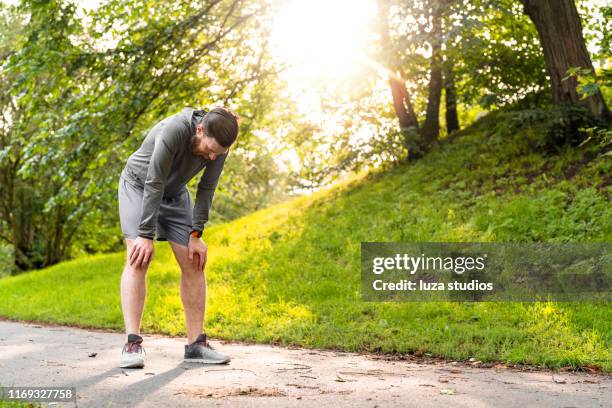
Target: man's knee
{"x":142,"y":268}
{"x":191,"y":267}
{"x":138,"y":270}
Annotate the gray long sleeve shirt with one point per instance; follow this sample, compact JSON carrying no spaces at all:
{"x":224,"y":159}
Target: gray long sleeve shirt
{"x":164,"y":164}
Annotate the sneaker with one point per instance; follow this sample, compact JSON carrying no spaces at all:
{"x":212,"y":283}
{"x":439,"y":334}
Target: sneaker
{"x":132,"y":355}
{"x":200,"y":351}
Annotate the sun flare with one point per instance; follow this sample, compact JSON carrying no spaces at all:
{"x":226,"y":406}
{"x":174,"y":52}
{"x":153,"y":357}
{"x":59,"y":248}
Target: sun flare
{"x":322,"y":39}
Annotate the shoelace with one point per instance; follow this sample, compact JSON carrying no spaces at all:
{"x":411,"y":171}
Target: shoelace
{"x":133,"y":347}
{"x":205,"y":343}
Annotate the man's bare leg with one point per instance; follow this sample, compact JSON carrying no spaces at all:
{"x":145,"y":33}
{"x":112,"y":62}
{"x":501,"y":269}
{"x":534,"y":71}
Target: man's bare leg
{"x":193,"y":292}
{"x":133,"y":293}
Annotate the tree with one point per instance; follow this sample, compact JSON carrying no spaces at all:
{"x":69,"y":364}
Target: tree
{"x":560,"y":32}
{"x":421,"y":26}
{"x":417,"y":139}
{"x":431,"y":127}
{"x":401,"y":97}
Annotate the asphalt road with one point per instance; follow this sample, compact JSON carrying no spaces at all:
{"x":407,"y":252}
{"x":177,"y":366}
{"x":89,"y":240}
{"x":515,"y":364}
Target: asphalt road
{"x":270,"y":376}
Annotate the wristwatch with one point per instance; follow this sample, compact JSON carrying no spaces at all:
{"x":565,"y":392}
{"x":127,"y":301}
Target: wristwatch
{"x":196,"y":233}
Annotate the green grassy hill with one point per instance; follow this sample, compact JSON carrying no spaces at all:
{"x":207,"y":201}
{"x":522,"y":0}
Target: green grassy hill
{"x":290,"y":274}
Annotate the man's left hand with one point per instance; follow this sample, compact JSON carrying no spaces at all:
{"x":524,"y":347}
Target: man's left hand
{"x":197,"y":247}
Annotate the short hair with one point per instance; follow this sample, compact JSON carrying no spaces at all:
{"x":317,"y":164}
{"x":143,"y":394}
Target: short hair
{"x":221,"y":124}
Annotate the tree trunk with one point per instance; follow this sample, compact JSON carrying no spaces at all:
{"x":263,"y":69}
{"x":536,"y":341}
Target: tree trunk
{"x":452,"y":119}
{"x":431,"y":127}
{"x":22,"y":243}
{"x":560,"y":31}
{"x":401,"y":98}
{"x":401,"y":102}
{"x":54,"y":239}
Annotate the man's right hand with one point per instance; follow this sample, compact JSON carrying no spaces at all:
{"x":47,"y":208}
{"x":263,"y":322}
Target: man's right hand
{"x":141,"y":252}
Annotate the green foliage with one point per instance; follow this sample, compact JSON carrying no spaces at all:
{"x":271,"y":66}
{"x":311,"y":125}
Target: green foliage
{"x":550,"y":129}
{"x":597,"y":27}
{"x":497,"y":52}
{"x":602,"y":137}
{"x":7,"y":262}
{"x":19,"y":404}
{"x":251,"y":180}
{"x":590,"y":84}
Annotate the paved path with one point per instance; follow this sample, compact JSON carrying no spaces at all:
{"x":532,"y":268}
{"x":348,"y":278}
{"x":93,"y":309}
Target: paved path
{"x":259,"y":375}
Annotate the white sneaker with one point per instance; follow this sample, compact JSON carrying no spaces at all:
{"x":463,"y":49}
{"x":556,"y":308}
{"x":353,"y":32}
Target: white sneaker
{"x":132,"y":355}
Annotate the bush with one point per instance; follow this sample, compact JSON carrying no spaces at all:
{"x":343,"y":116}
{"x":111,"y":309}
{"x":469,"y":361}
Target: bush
{"x":554,"y":127}
{"x":7,"y":263}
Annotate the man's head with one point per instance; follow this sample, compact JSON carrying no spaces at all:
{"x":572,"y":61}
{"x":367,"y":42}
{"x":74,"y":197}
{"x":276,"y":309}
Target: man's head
{"x":215,"y":133}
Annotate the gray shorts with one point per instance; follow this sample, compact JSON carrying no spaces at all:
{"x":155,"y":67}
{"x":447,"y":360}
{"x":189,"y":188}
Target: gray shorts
{"x":173,"y":220}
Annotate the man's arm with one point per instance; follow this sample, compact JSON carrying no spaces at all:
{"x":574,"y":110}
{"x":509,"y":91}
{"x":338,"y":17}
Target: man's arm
{"x":166,"y":146}
{"x":206,"y":190}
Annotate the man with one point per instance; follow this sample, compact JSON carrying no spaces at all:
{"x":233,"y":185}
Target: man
{"x":154,"y":201}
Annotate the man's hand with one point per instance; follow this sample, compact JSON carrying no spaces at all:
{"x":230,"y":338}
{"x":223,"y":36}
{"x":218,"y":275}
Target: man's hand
{"x":197,"y":247}
{"x":141,"y":252}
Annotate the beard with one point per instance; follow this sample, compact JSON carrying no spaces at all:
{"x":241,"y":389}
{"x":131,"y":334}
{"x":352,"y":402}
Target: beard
{"x":193,"y":143}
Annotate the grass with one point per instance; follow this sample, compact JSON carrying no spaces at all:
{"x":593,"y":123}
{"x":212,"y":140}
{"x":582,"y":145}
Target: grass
{"x":290,"y":274}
